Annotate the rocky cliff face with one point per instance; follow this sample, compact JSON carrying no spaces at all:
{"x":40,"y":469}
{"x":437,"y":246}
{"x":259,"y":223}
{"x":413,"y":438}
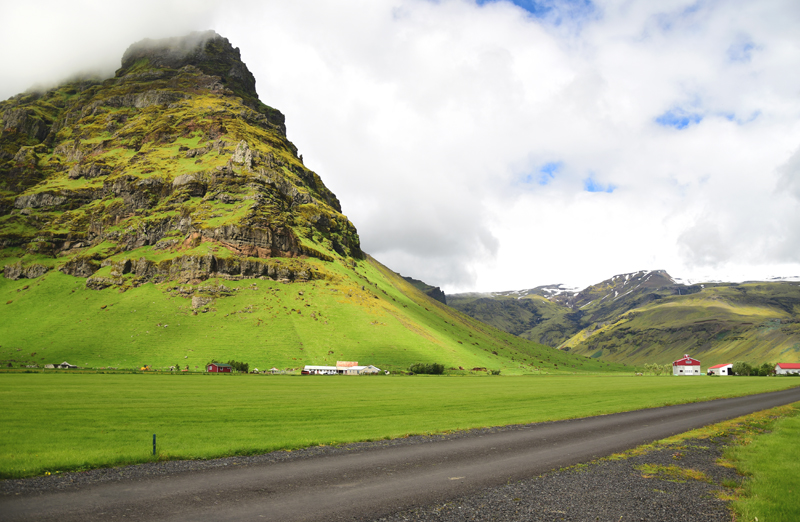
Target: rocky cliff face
{"x":173,"y":169}
{"x":431,"y":291}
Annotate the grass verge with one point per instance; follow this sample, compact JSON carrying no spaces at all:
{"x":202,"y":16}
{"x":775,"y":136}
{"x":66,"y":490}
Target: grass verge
{"x":771,"y":463}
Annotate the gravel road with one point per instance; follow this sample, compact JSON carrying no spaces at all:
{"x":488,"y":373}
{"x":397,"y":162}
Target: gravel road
{"x":487,"y":474}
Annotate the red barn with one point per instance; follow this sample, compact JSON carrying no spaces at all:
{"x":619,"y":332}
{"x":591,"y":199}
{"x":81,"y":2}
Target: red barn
{"x":787,"y":368}
{"x":219,"y":368}
{"x":686,"y":366}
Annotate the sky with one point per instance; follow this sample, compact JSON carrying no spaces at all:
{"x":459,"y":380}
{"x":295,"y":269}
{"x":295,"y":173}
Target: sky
{"x":489,"y":145}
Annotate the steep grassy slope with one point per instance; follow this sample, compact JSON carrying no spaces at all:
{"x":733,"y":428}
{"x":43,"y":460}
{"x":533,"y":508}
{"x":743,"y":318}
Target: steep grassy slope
{"x":361,"y":311}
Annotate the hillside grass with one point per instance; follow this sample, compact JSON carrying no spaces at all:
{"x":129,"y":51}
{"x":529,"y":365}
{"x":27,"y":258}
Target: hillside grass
{"x":362,"y":312}
{"x":56,"y":421}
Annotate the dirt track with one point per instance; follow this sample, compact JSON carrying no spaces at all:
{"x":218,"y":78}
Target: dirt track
{"x":365,"y":483}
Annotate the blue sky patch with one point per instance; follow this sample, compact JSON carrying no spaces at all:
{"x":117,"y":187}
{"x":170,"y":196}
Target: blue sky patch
{"x":671,"y":21}
{"x":548,"y":172}
{"x":731,"y":116}
{"x":590,"y":185}
{"x":741,"y":51}
{"x":679,"y":118}
{"x":556,"y":11}
{"x":545,"y":174}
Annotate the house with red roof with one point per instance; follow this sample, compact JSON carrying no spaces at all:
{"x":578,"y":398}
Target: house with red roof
{"x":787,"y":368}
{"x":686,"y":366}
{"x":720,"y":369}
{"x":219,"y":368}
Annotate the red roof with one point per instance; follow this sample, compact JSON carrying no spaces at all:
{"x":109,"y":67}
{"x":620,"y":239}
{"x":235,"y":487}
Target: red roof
{"x":718,"y":366}
{"x":789,"y":366}
{"x":686,"y":361}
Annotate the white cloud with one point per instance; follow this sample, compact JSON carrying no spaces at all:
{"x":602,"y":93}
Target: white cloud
{"x":432,"y":121}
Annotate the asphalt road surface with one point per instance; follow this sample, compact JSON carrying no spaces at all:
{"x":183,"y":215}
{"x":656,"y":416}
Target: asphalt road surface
{"x":368,"y":483}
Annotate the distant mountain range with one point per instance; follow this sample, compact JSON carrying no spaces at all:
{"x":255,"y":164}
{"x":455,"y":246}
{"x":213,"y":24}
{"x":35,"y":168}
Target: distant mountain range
{"x":648,"y":316}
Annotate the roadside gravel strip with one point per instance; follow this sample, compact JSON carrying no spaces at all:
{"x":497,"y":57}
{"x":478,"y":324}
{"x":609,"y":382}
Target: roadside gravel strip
{"x":485,"y":474}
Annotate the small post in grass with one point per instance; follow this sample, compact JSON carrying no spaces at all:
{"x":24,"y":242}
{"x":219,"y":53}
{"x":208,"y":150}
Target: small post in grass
{"x":154,"y":444}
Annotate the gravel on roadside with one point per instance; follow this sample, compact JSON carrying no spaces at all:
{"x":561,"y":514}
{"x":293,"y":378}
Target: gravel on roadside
{"x":606,"y":490}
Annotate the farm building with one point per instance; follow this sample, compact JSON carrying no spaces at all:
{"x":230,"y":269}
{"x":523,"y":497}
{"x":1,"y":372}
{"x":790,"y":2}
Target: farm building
{"x":787,"y":368}
{"x":219,"y":368}
{"x":721,"y":369}
{"x":65,"y":366}
{"x":341,"y":368}
{"x":686,"y":366}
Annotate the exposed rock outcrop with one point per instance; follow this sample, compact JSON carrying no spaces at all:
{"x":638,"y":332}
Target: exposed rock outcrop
{"x":17,"y":271}
{"x":175,"y":154}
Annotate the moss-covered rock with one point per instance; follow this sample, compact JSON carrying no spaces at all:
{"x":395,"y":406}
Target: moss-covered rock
{"x":175,"y":151}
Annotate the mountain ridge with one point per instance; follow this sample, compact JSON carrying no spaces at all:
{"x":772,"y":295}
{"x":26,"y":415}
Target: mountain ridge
{"x":648,"y":316}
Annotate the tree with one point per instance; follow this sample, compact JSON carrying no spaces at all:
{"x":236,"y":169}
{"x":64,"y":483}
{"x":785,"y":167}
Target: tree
{"x":240,"y":366}
{"x":742,"y":368}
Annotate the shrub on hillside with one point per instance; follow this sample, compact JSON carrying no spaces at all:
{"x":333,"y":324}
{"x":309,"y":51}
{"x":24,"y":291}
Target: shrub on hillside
{"x":430,"y":369}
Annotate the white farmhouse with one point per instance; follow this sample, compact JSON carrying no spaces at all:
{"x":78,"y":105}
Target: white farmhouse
{"x":686,"y":366}
{"x":341,"y":368}
{"x":787,"y":368}
{"x":721,"y":369}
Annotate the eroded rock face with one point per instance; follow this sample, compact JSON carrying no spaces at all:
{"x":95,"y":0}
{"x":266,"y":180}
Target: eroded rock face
{"x":17,"y":271}
{"x":80,"y":267}
{"x":174,"y":152}
{"x":25,"y":121}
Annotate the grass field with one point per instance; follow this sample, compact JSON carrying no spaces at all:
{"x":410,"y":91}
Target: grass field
{"x":772,"y":464}
{"x":59,"y":422}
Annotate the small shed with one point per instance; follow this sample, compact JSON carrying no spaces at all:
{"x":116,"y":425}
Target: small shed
{"x":721,"y":369}
{"x":219,"y":368}
{"x":686,"y":366}
{"x":787,"y":368}
{"x":66,"y":366}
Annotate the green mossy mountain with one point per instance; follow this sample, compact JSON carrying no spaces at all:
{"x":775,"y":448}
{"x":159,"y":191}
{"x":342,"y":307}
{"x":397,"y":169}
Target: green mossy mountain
{"x":162,"y":217}
{"x":173,"y":153}
{"x":647,"y":317}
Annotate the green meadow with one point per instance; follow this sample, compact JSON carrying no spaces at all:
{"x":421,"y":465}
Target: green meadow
{"x":59,"y":421}
{"x":771,"y":463}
